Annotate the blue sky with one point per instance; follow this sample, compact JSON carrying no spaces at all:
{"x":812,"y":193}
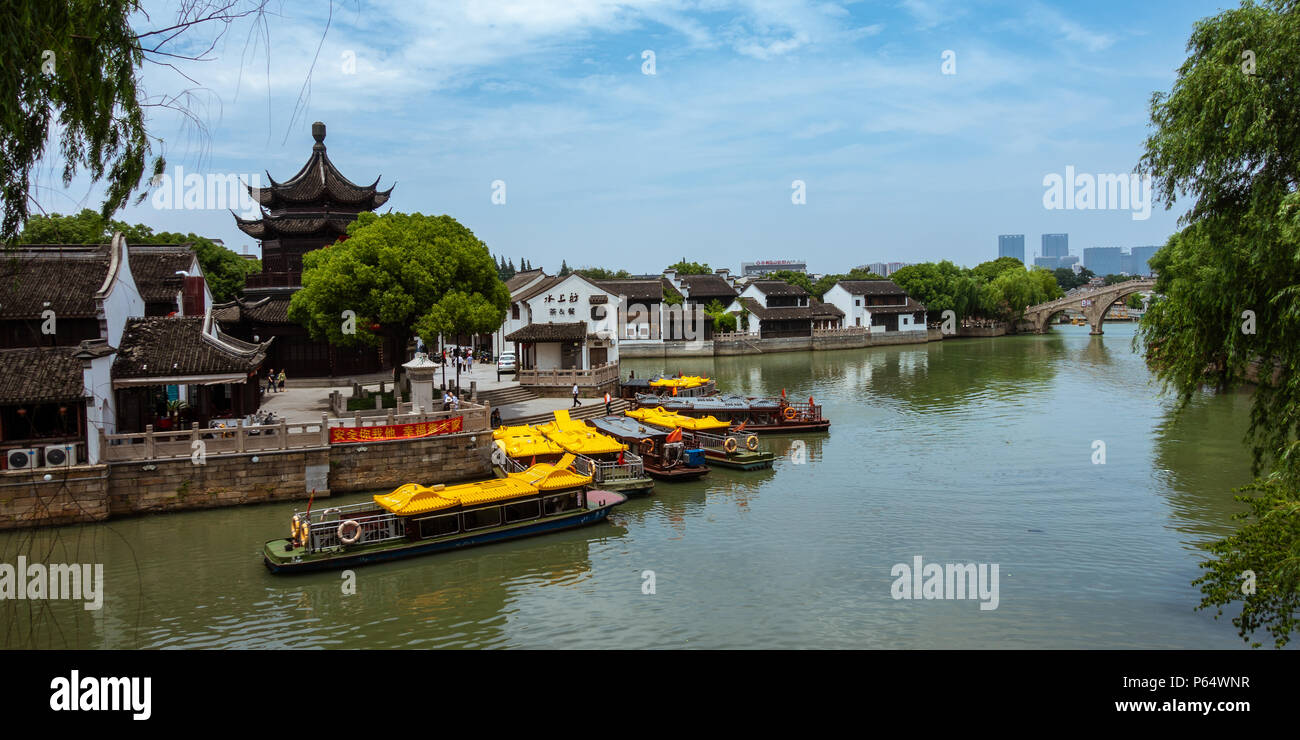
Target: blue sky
{"x":605,"y":165}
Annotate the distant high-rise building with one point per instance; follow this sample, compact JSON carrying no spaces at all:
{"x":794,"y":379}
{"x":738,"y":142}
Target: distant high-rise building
{"x":1056,"y":245}
{"x":1050,"y":263}
{"x":763,"y":267}
{"x":883,"y":269}
{"x":1104,"y":260}
{"x":1012,"y":245}
{"x":1140,"y":257}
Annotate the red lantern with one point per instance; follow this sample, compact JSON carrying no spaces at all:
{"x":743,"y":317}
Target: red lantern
{"x":375,"y":327}
{"x":22,"y":412}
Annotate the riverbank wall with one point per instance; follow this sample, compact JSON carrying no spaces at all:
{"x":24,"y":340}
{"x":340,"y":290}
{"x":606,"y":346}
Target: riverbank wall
{"x":91,"y":493}
{"x":732,"y":345}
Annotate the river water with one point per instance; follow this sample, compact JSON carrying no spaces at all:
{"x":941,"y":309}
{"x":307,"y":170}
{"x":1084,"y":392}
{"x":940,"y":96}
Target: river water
{"x":965,"y":451}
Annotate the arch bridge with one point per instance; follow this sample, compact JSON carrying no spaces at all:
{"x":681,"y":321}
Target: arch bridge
{"x":1093,"y":303}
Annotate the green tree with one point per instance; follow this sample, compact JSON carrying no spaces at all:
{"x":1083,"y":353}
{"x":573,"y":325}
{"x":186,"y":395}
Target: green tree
{"x":564,"y":269}
{"x":223,"y":269}
{"x":406,"y":274}
{"x":1067,"y":280}
{"x":1013,"y":290}
{"x":690,"y":268}
{"x":941,"y":286}
{"x":600,"y":273}
{"x":1228,"y":303}
{"x":1134,"y":301}
{"x":826,"y":282}
{"x":987,"y":272}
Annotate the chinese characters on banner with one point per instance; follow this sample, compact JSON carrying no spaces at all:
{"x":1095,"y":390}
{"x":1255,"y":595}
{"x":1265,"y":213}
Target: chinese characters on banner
{"x":348,"y":435}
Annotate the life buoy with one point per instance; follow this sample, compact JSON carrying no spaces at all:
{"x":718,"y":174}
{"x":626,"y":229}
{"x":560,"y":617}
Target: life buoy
{"x":647,"y":446}
{"x":350,"y":524}
{"x":730,"y":444}
{"x":751,"y":443}
{"x":789,"y":412}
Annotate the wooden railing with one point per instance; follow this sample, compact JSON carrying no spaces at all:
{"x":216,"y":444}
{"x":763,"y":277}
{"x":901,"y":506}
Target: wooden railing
{"x":596,"y":376}
{"x":733,"y":336}
{"x":177,"y":445}
{"x":847,"y":331}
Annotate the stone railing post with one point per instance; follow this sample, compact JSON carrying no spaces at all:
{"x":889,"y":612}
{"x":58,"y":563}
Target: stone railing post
{"x":284,"y":434}
{"x":148,"y":442}
{"x":324,"y":429}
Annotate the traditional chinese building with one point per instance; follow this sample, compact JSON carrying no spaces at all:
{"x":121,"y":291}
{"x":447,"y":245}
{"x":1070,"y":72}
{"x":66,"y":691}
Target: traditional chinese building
{"x":308,"y":211}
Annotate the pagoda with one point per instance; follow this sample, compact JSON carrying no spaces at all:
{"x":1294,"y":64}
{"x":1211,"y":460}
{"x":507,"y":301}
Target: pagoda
{"x":308,"y":211}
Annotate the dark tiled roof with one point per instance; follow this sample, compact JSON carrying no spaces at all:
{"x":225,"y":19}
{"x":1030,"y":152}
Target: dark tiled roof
{"x":176,"y":345}
{"x":520,"y":279}
{"x":271,"y":225}
{"x":62,"y":280}
{"x":778,"y":287}
{"x":319,"y":181}
{"x":269,"y":310}
{"x":542,"y":285}
{"x":648,"y":289}
{"x":549,"y":332}
{"x":871,"y":287}
{"x":711,"y":286}
{"x":913,"y":306}
{"x":823,"y":310}
{"x":40,"y":375}
{"x":777,"y":314}
{"x":154,"y":269}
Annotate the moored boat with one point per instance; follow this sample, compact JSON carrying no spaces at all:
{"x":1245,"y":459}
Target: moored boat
{"x":687,"y":386}
{"x":758,"y":415}
{"x":663,"y":453}
{"x":610,"y":463}
{"x":419,"y":520}
{"x":721,"y":445}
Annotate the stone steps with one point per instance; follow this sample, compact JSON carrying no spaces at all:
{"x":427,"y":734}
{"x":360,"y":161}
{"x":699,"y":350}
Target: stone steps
{"x":505,"y":396}
{"x":590,"y":409}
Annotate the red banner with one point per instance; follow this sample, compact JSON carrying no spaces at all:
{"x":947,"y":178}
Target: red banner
{"x":349,"y":435}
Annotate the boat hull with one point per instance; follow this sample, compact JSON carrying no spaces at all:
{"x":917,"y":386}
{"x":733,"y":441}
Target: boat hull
{"x":275,"y":560}
{"x":679,"y":473}
{"x":742,"y":460}
{"x":631,"y":486}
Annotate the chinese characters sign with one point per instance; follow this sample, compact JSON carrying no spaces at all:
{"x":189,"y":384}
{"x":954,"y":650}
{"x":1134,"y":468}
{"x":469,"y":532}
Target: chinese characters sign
{"x":349,"y":435}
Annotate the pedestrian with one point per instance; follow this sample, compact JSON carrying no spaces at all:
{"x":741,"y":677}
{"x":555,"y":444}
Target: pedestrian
{"x":455,"y":402}
{"x":607,"y":411}
{"x":469,"y":359}
{"x":282,"y":379}
{"x":446,"y":401}
{"x":575,"y":396}
{"x":270,"y":380}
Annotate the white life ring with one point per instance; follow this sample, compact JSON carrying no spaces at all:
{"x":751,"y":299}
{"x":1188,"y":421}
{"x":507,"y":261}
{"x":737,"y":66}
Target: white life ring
{"x":347,"y":525}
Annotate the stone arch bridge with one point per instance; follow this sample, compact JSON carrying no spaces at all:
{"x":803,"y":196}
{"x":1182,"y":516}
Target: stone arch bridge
{"x":1094,"y":303}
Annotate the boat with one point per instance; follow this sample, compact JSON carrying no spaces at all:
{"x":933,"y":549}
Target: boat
{"x":752,"y":414}
{"x":662,"y":451}
{"x":723,"y":446}
{"x":686,"y":385}
{"x":418,"y":520}
{"x":524,"y":442}
{"x":607,"y":460}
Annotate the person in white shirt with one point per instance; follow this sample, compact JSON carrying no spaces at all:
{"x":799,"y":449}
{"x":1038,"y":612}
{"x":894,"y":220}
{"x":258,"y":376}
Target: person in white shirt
{"x":575,"y":395}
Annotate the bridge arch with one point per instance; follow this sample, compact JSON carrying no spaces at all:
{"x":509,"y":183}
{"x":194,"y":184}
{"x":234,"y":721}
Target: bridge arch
{"x":1098,"y":302}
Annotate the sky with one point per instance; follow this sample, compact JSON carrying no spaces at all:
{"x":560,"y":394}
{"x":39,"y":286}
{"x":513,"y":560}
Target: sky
{"x":919,"y":130}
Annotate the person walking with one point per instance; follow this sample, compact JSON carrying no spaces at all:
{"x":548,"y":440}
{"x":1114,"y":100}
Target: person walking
{"x":270,"y":380}
{"x":469,"y":359}
{"x":282,"y":379}
{"x":575,"y":396}
{"x":607,"y":411}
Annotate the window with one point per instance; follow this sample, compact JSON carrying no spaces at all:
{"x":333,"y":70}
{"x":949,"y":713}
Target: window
{"x":523,"y":510}
{"x":856,"y":302}
{"x":439,"y":526}
{"x":514,"y":311}
{"x":558,"y":504}
{"x":480,"y":518}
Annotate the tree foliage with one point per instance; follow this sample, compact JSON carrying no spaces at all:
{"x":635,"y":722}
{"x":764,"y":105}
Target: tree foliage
{"x":800,"y":279}
{"x":600,"y":273}
{"x":826,"y":282}
{"x":941,"y":286}
{"x":691,"y":268}
{"x":409,"y":274}
{"x":1228,"y":300}
{"x":223,"y":269}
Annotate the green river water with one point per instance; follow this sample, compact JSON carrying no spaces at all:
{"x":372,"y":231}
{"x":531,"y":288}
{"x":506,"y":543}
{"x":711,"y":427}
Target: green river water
{"x":964,"y":451}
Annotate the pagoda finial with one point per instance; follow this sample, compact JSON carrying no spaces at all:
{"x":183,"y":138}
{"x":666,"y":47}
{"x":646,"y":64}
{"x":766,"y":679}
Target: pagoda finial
{"x":318,"y":133}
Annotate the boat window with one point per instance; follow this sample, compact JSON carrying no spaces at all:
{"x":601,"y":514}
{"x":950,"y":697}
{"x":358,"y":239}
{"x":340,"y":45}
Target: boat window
{"x":480,"y":518}
{"x":561,"y":503}
{"x":438,"y":526}
{"x":523,"y":510}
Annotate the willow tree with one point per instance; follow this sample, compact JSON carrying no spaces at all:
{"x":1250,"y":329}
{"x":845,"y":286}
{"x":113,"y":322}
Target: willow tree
{"x":398,"y":276}
{"x":1228,"y":305}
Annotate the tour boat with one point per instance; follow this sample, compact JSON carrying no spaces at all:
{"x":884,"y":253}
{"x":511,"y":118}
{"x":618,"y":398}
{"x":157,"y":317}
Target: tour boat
{"x":662,"y":451}
{"x":722,"y":445}
{"x":607,"y":460}
{"x":758,"y":415}
{"x":419,"y":520}
{"x":690,"y":385}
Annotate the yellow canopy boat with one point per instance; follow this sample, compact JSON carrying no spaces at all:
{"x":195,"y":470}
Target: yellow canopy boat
{"x":577,"y":437}
{"x":524,"y":441}
{"x":659,"y":416}
{"x":414,"y":498}
{"x":686,"y":381}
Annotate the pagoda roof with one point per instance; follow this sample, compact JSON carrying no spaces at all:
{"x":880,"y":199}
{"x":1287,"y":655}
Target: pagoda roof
{"x":271,"y":225}
{"x":319,"y":182}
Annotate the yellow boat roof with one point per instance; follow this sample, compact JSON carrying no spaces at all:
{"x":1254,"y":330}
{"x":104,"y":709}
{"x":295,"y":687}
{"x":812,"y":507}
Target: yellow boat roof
{"x":414,"y":498}
{"x":664,"y":418}
{"x":524,"y":441}
{"x":578,"y":438}
{"x":686,"y":381}
{"x":546,"y":477}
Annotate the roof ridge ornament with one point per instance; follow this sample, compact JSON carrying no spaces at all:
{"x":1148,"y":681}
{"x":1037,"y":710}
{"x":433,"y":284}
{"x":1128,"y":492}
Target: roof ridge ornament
{"x":318,"y":133}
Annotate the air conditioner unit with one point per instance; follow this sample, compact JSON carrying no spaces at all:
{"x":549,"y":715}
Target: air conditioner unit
{"x":60,"y":456}
{"x":21,"y":459}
